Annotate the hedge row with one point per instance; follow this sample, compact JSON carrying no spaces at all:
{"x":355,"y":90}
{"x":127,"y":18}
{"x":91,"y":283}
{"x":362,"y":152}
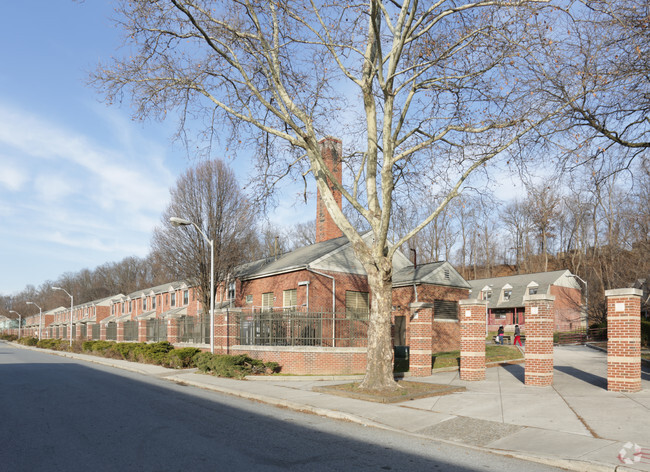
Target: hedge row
{"x":161,"y":353}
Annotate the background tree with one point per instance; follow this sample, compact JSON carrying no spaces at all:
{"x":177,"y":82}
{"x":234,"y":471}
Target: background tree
{"x":209,"y":196}
{"x":431,"y":91}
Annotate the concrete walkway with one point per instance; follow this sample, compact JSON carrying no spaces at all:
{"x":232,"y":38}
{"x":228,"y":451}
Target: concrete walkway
{"x":576,"y":423}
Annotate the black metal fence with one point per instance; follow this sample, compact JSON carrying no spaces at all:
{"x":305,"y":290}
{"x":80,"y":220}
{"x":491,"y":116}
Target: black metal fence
{"x":111,"y":331}
{"x":130,"y":330}
{"x":194,"y":330}
{"x":84,"y":331}
{"x":96,"y":331}
{"x":294,"y":328}
{"x":156,"y":330}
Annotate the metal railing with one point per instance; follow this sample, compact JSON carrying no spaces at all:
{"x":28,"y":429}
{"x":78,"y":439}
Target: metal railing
{"x":111,"y":331}
{"x":156,"y":330}
{"x":97,"y":332}
{"x":195,"y":330}
{"x":295,"y":328}
{"x":130,"y":330}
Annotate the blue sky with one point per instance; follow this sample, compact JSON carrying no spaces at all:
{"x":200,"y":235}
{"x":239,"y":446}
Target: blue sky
{"x":81,"y":183}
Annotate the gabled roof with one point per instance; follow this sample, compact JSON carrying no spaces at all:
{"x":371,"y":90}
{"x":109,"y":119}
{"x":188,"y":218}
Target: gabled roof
{"x":437,"y":273}
{"x":294,"y":260}
{"x":519,"y":285}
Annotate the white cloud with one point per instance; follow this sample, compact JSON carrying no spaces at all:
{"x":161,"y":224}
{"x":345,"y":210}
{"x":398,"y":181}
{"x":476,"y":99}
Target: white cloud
{"x":12,"y":177}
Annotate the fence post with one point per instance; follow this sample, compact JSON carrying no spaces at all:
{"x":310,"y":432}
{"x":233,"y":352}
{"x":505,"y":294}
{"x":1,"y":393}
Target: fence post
{"x":540,"y":323}
{"x":624,"y":340}
{"x":472,"y":339}
{"x":142,"y":331}
{"x":421,"y":339}
{"x":102,"y":331}
{"x":119,"y":337}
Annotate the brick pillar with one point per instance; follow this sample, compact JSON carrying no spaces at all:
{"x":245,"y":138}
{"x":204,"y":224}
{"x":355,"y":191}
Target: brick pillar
{"x":472,"y":339}
{"x":624,"y":340}
{"x":173,"y":333}
{"x":102,"y":332}
{"x":142,"y":331}
{"x":225,"y":329}
{"x":540,"y":322}
{"x":421,"y":339}
{"x":120,"y":332}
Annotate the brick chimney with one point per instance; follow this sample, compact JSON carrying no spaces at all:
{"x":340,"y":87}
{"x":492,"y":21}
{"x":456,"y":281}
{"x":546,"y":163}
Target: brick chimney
{"x":331,"y":150}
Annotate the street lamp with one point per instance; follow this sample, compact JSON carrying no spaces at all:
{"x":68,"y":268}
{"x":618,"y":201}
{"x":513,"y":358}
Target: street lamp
{"x":20,"y":321}
{"x":40,"y":318}
{"x":71,"y":305}
{"x":586,"y":299}
{"x":175,"y":221}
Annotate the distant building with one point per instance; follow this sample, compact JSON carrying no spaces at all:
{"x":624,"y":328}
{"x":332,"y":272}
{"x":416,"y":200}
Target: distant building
{"x":506,"y":297}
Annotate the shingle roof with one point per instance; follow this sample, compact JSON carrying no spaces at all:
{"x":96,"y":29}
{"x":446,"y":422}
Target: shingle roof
{"x":438,"y":273}
{"x":519,"y":287}
{"x":293,"y":260}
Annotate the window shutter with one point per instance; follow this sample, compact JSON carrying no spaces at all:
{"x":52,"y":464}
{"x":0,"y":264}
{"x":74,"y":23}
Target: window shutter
{"x":445,"y":310}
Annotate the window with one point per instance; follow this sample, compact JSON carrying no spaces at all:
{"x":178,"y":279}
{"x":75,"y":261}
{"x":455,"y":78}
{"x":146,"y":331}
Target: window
{"x":356,"y":304}
{"x":122,"y":310}
{"x":173,"y":299}
{"x":290,"y":298}
{"x":445,"y":310}
{"x":153,"y":302}
{"x":507,"y":294}
{"x":130,"y":306}
{"x":487,"y":295}
{"x":267,"y":300}
{"x":249,"y":299}
{"x":446,"y":274}
{"x":231,"y":290}
{"x":144,"y":304}
{"x":186,"y":297}
{"x":532,"y":291}
{"x":112,"y":309}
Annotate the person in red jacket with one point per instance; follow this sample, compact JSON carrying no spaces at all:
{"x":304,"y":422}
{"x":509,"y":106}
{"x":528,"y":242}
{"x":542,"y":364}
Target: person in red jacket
{"x":517,"y":336}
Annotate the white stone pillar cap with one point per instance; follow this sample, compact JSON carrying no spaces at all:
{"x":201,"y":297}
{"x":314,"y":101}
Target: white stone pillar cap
{"x":539,"y":297}
{"x":473,"y":301}
{"x":623,"y":292}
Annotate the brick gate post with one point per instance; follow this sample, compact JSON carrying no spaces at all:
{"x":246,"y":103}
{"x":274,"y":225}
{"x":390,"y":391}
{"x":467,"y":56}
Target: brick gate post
{"x":173,"y":331}
{"x":540,"y":323}
{"x":142,"y":331}
{"x":119,"y":337}
{"x":421,"y":332}
{"x":472,"y":339}
{"x":624,"y":340}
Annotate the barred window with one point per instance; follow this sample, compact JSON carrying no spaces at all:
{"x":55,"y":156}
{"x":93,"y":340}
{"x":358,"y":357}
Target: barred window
{"x":267,"y":300}
{"x":445,"y":310}
{"x":186,"y":297}
{"x":356,"y":304}
{"x":290,"y":298}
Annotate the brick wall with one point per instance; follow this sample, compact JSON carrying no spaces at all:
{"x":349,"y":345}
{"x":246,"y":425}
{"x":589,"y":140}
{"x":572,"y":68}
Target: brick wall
{"x":320,"y":289}
{"x":624,"y":340}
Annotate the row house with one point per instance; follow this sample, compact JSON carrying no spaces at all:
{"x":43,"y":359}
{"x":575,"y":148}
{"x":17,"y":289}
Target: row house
{"x":506,"y":296}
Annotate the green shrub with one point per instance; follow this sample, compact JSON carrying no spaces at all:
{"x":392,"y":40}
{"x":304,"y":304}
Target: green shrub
{"x":100,"y":347}
{"x":239,"y":366}
{"x":28,"y":341}
{"x":8,"y":337}
{"x":54,"y":344}
{"x":182,"y":358}
{"x":645,"y":333}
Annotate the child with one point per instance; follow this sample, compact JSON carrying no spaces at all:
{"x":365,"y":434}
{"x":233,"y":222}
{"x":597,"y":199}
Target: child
{"x":500,"y":335}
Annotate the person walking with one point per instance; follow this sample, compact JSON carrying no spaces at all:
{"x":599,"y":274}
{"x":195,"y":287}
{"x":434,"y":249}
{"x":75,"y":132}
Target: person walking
{"x":500,"y":335}
{"x":517,"y":336}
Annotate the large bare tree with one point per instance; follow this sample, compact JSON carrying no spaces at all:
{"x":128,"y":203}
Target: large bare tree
{"x":424,"y":94}
{"x":209,"y":196}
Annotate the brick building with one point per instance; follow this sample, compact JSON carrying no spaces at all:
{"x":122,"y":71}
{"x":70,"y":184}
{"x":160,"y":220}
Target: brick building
{"x":505,"y":296}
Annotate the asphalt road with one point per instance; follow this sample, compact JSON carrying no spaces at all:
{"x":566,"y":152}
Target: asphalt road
{"x":58,"y":414}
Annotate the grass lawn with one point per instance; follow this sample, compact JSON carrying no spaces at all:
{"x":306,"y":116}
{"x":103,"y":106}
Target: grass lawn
{"x":492,"y":354}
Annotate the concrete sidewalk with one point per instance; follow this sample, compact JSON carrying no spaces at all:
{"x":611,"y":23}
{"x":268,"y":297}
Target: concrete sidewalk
{"x":576,"y":423}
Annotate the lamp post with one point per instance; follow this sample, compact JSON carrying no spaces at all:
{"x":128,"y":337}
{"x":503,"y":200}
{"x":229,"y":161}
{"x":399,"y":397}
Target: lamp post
{"x":20,"y":321}
{"x":183,"y":222}
{"x":586,"y":299}
{"x":40,"y":318}
{"x":71,"y":305}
